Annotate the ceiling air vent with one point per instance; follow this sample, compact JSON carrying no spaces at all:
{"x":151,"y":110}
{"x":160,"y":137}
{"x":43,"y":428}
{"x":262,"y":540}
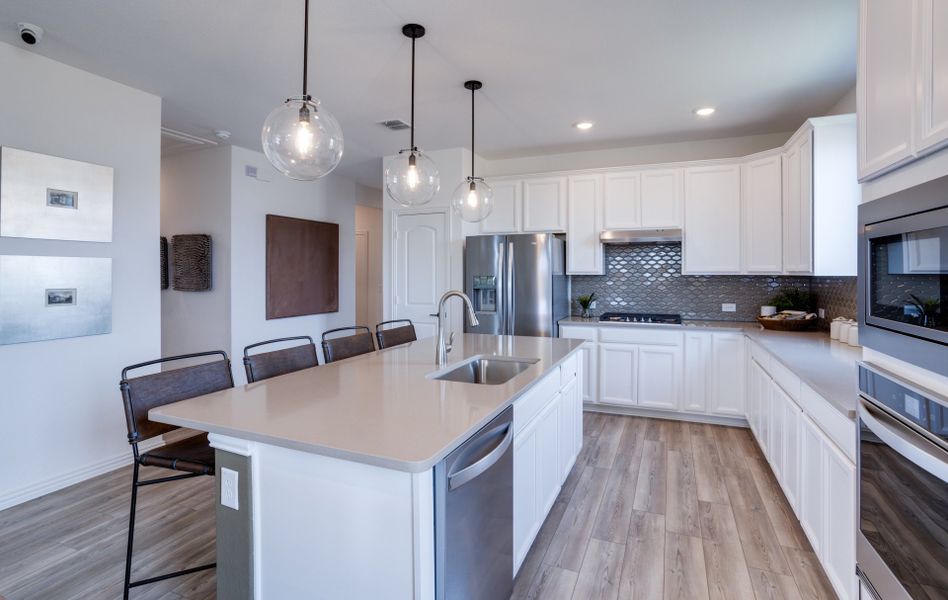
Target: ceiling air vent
{"x":395,"y":124}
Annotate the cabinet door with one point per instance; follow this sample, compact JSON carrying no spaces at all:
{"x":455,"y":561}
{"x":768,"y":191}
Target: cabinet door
{"x":752,"y":398}
{"x":811,"y":507}
{"x":661,"y":197}
{"x":791,"y":452}
{"x":544,"y":204}
{"x":775,"y":451}
{"x":617,"y":365}
{"x":839,"y":501}
{"x":567,"y":420}
{"x":932,"y":103}
{"x":798,"y":206}
{"x":505,"y":216}
{"x":548,"y":457}
{"x":526,"y":520}
{"x":622,"y":203}
{"x":885,"y":84}
{"x":697,"y":361}
{"x":762,"y":197}
{"x":712,"y":225}
{"x":727,"y":374}
{"x":658,"y":376}
{"x":584,"y":254}
{"x":765,"y":407}
{"x":590,"y":371}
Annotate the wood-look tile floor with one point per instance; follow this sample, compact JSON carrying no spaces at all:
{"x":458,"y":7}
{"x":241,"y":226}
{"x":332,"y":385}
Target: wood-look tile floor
{"x":653,"y":509}
{"x":665,"y":509}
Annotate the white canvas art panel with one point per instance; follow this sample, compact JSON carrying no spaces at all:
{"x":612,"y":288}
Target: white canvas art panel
{"x":51,"y":297}
{"x":54,"y":198}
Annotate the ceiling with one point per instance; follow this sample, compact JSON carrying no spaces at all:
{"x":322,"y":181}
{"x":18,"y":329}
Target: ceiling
{"x":636,"y":68}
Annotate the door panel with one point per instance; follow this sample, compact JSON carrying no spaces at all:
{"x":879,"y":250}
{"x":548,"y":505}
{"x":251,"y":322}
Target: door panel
{"x":617,"y":365}
{"x":505,"y":216}
{"x":544,"y":204}
{"x":712,"y":225}
{"x":532,"y":282}
{"x":421,"y":267}
{"x":762,"y":196}
{"x":658,"y":375}
{"x":484,"y":283}
{"x":621,"y":205}
{"x":661,"y":197}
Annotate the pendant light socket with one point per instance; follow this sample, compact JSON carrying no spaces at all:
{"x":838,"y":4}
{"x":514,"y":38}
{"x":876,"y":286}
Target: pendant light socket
{"x":413,"y":31}
{"x":473,"y":85}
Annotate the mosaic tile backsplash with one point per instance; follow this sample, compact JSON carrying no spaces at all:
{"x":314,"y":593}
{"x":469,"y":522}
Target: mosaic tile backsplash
{"x":647,"y":278}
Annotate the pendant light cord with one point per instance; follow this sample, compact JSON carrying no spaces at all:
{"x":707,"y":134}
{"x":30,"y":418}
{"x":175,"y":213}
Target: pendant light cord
{"x":305,"y":45}
{"x":472,"y":132}
{"x":412,"y":146}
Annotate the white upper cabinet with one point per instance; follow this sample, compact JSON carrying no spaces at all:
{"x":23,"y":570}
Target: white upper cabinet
{"x":544,"y":204}
{"x":661,"y":198}
{"x":505,"y":216}
{"x":932,"y":103}
{"x":886,"y":84}
{"x":645,"y":198}
{"x":712,"y":224}
{"x":798,"y":205}
{"x":762,"y":193}
{"x":622,"y":207}
{"x":584,"y":254}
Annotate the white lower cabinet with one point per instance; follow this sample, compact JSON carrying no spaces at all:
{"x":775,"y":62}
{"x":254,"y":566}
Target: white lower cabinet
{"x":658,"y":377}
{"x":617,"y":373}
{"x":544,"y":449}
{"x":727,"y":374}
{"x":697,"y":371}
{"x":816,"y":475}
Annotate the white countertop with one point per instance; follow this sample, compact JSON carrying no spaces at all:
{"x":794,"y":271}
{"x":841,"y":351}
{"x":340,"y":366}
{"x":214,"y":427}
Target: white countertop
{"x":827,"y":366}
{"x":379,"y":408}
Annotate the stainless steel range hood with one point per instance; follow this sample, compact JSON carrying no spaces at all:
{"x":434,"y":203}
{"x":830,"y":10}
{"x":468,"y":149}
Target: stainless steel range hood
{"x":639,"y":236}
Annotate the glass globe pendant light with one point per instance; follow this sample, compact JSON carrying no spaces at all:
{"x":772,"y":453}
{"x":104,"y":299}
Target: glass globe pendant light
{"x":411,"y":178}
{"x":300,"y":139}
{"x":473,"y":198}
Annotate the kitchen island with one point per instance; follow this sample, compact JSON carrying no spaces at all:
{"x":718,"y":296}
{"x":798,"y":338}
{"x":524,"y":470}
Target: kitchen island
{"x":335,"y":493}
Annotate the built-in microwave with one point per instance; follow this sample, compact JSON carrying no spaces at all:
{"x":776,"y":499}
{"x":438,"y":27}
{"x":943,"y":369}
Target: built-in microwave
{"x":903,"y":275}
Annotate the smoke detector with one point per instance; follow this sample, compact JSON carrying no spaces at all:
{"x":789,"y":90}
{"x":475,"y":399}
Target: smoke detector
{"x":222,"y":134}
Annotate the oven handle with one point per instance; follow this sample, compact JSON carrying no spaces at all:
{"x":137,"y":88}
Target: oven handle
{"x":889,"y":431}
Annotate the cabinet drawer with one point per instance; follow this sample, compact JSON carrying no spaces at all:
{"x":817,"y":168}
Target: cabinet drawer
{"x":633,"y":335}
{"x":568,"y":369}
{"x":760,"y":355}
{"x":531,"y":403}
{"x":580,"y":332}
{"x":785,"y":379}
{"x":833,"y":423}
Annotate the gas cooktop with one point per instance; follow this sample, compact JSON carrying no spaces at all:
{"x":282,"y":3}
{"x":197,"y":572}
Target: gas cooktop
{"x":654,"y":318}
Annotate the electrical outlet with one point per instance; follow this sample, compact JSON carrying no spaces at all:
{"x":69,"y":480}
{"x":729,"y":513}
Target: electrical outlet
{"x":822,"y":313}
{"x":728,"y":307}
{"x":250,"y":171}
{"x":229,"y":488}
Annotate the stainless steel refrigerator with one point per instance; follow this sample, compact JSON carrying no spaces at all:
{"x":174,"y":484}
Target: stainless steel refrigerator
{"x":517,"y":283}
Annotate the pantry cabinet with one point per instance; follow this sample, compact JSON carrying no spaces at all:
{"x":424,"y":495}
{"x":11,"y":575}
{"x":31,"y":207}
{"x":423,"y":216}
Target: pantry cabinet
{"x":584,"y":252}
{"x":762,"y":199}
{"x":544,"y":204}
{"x":711,"y":236}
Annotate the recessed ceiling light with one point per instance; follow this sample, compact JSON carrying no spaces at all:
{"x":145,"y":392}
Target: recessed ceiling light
{"x":704,"y":111}
{"x":583,"y":125}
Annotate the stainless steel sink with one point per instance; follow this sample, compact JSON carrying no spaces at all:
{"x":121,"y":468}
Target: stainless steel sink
{"x":492,"y":370}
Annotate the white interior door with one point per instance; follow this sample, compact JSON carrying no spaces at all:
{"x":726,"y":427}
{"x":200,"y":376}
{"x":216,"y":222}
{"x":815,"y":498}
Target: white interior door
{"x":421,"y":267}
{"x":362,"y":278}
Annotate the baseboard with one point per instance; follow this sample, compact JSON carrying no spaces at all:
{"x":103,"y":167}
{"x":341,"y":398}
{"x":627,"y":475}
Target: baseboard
{"x":637,"y":411}
{"x":53,"y":484}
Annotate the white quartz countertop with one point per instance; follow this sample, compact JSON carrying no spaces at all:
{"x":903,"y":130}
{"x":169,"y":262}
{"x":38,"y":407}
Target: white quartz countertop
{"x":380,"y":408}
{"x":827,"y":366}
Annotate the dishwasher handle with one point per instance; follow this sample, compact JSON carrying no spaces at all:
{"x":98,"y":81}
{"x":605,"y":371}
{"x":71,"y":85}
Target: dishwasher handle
{"x":458,"y":478}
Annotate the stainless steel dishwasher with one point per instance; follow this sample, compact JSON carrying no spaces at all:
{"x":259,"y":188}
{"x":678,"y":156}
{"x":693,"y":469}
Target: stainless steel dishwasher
{"x":474,"y":516}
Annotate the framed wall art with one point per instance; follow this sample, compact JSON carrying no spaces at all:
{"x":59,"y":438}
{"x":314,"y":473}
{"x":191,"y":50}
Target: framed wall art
{"x":51,"y":297}
{"x":54,"y":198}
{"x":191,"y":262}
{"x":302,"y":267}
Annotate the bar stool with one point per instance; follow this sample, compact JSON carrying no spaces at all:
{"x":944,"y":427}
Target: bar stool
{"x":347,"y":346}
{"x":279,"y":362}
{"x":194,"y":456}
{"x":395,"y":336}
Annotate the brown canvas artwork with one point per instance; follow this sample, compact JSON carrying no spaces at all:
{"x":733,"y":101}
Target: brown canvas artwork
{"x":302,"y":267}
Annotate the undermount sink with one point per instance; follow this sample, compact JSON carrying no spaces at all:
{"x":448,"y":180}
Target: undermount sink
{"x":482,"y":370}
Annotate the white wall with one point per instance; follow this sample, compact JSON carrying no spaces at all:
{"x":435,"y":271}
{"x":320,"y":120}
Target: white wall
{"x":62,"y":418}
{"x":331,"y":199}
{"x":635,"y":155}
{"x":845,"y":105}
{"x":195,"y":198}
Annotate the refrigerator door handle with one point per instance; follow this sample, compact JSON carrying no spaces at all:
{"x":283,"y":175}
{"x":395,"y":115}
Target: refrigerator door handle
{"x":511,"y":324}
{"x":501,"y":300}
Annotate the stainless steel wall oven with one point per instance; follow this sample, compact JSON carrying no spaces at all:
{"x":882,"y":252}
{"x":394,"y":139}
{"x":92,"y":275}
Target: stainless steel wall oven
{"x":902,"y":544}
{"x":903,"y":275}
